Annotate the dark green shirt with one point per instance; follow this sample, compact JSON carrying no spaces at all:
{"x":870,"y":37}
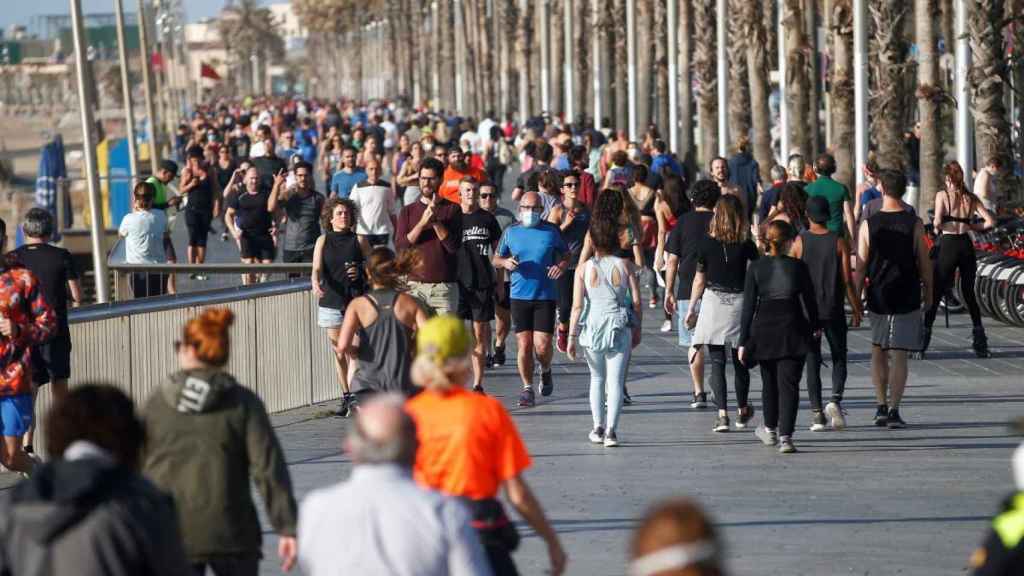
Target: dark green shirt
{"x":836,"y":194}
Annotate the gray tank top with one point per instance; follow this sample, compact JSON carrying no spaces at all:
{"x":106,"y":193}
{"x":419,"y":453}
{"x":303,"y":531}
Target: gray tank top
{"x":384,"y":349}
{"x":821,"y":258}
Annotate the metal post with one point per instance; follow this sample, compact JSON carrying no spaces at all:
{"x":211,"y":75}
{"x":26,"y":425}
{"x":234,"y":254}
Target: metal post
{"x":631,"y":67}
{"x":545,"y":55}
{"x":597,"y":69}
{"x":673,"y":73}
{"x":570,"y":98}
{"x":435,"y":62}
{"x":126,"y":87}
{"x":460,"y":59}
{"x":783,"y":93}
{"x":500,"y":49}
{"x":964,"y":132}
{"x":721,"y":38}
{"x":147,"y":81}
{"x":860,"y":87}
{"x":85,"y":105}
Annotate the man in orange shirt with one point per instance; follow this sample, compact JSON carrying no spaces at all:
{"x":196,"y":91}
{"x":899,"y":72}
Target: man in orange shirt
{"x":458,"y":169}
{"x":470,"y":447}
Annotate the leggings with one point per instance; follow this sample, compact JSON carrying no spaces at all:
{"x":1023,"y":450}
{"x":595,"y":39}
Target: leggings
{"x":780,"y":392}
{"x":835,"y":332}
{"x":956,"y":252}
{"x":564,"y":285}
{"x":717,"y":354}
{"x":608,"y":372}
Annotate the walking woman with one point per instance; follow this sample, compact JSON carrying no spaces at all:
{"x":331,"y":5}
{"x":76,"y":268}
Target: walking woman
{"x":408,"y":178}
{"x":717,"y":293}
{"x":671,"y":203}
{"x":207,"y":437}
{"x":606,"y":306}
{"x":776,"y":333}
{"x":337,"y":278}
{"x":574,"y":222}
{"x":378,"y":326}
{"x":644,"y":198}
{"x":955,"y":210}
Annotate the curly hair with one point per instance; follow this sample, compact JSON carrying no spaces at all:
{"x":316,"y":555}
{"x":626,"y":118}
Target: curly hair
{"x":327,"y":213}
{"x":705,"y":194}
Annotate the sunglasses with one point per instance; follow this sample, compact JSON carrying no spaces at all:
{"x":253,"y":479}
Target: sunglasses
{"x":487,"y":195}
{"x":570,"y":184}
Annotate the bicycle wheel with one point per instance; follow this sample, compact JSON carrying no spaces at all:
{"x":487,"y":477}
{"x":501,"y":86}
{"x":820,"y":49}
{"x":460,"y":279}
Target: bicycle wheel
{"x":1015,"y":297}
{"x":981,"y":283}
{"x":1000,"y":291}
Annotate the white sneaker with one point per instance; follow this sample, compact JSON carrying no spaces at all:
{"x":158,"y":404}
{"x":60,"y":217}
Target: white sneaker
{"x":610,"y":441}
{"x":666,"y":326}
{"x":835,"y":415}
{"x":596,"y":435}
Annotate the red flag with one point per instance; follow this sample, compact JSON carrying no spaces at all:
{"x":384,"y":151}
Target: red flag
{"x":157,"y":61}
{"x":207,"y":71}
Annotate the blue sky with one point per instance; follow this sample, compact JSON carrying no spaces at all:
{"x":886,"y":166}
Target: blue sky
{"x":22,"y":11}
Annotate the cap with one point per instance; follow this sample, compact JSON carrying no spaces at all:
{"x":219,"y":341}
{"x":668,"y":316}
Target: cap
{"x":443,"y":337}
{"x":818,"y":210}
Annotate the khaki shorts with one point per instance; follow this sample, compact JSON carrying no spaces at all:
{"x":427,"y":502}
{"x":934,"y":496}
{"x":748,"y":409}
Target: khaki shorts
{"x":438,"y":298}
{"x":897,"y":331}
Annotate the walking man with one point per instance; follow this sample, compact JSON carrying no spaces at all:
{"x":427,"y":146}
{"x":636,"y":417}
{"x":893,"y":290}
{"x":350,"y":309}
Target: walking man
{"x":502,"y":315}
{"x":840,"y":205}
{"x":301,"y":206}
{"x":375,"y":203}
{"x":348,"y":175}
{"x":893,"y":257}
{"x":537,"y":256}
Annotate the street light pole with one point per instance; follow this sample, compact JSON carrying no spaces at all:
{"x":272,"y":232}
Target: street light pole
{"x":860,"y":87}
{"x":126,"y":88}
{"x":85,"y":105}
{"x":597,"y":71}
{"x":722,"y":37}
{"x":673,"y":73}
{"x":631,"y":67}
{"x":545,"y":55}
{"x":570,"y":98}
{"x":783,"y":93}
{"x":964,"y":136}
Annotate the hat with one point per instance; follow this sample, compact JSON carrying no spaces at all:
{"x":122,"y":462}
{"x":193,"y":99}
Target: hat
{"x":818,"y":210}
{"x":442,"y":338}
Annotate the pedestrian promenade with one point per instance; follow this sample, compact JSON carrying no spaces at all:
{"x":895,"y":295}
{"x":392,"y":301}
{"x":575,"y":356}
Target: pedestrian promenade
{"x":861,"y":501}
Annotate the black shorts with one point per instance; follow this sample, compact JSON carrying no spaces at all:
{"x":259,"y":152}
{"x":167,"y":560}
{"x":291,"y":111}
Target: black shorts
{"x":52,"y":360}
{"x":533,"y":316}
{"x":504,"y":296}
{"x":375,"y":240}
{"x":476,"y":305}
{"x":258,"y":246}
{"x":145,"y":284}
{"x":198,"y":224}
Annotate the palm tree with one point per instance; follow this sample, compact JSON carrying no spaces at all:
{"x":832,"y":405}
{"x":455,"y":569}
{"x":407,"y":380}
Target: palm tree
{"x":988,"y":74}
{"x":660,"y":116}
{"x":739,"y":87}
{"x":524,"y":45}
{"x":752,"y":28}
{"x":618,"y":30}
{"x":842,"y":91}
{"x":798,"y":82}
{"x":686,"y":151}
{"x":250,"y":30}
{"x":929,"y":96}
{"x":888,"y":109}
{"x":704,"y":65}
{"x":810,"y":14}
{"x":1018,"y":74}
{"x":582,"y":44}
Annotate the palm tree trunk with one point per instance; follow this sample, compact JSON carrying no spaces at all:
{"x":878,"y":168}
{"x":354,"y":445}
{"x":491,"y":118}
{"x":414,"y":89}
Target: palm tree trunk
{"x":524,"y":49}
{"x":946,"y":24}
{"x":813,"y":70}
{"x":704,"y":65}
{"x":557,"y":58}
{"x":686,"y":151}
{"x":890,"y":71}
{"x":618,"y":20}
{"x":797,"y":79}
{"x":447,"y":55}
{"x":644,"y":63}
{"x":988,"y":71}
{"x":757,"y":78}
{"x":739,"y":86}
{"x":929,"y":95}
{"x":583,"y":27}
{"x":1018,"y":76}
{"x":842,"y":91}
{"x":771,"y":28}
{"x":661,"y":66}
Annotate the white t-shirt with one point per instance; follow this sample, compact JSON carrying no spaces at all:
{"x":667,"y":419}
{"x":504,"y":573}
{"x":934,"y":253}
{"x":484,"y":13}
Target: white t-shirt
{"x":376,"y":205}
{"x":143,"y":234}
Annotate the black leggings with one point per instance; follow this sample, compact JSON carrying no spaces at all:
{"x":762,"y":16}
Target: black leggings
{"x":565,"y":286}
{"x":780,"y":392}
{"x":717,"y":355}
{"x":956,"y":252}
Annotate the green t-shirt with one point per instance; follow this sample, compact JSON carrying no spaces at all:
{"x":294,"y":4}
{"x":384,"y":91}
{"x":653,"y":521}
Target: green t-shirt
{"x":160,"y":198}
{"x":836,"y":194}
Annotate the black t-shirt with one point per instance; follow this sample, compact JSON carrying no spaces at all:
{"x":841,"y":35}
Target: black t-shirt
{"x":251,"y":210}
{"x":340,"y":252}
{"x":268,"y":166}
{"x":200,"y":198}
{"x":725,"y":265}
{"x":480,"y":232}
{"x":683,"y":242}
{"x":53,"y":267}
{"x":240,"y":145}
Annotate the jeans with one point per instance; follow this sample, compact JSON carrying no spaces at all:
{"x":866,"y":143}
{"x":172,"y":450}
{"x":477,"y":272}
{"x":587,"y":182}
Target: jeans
{"x":780,"y":394}
{"x":717,"y":354}
{"x":835,"y":332}
{"x":608,"y":372}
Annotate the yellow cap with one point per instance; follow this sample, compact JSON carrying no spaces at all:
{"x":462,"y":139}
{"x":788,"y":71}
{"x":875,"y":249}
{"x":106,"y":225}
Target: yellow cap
{"x":443,"y":337}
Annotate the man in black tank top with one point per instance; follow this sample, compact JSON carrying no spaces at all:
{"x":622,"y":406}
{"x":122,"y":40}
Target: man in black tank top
{"x":828,"y":258}
{"x":893,"y":257}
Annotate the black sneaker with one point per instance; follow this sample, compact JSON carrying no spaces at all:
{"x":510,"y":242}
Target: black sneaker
{"x":746,"y":414}
{"x":700,"y":401}
{"x":345,"y":408}
{"x":547,"y":385}
{"x":817,"y":421}
{"x":894,"y":420}
{"x":499,"y":356}
{"x":28,"y":449}
{"x":479,"y":389}
{"x":881,"y":415}
{"x":721,"y":424}
{"x":627,"y":400}
{"x":526,"y":399}
{"x":489,"y":362}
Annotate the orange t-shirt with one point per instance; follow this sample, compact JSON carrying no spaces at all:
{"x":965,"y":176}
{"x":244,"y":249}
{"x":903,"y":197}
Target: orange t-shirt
{"x":452,"y":178}
{"x":469,"y":444}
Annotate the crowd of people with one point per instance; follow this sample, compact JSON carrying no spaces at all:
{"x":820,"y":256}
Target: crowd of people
{"x":412,"y":258}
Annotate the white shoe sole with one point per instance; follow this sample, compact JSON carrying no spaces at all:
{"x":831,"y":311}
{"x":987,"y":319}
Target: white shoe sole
{"x":611,"y":443}
{"x":817,"y":427}
{"x":765,"y":437}
{"x":835,"y":416}
{"x":595,"y":439}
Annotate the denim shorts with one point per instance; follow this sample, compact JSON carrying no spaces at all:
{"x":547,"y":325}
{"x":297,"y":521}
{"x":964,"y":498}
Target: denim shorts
{"x":328,"y":317}
{"x":685,"y":334}
{"x":16,"y":414}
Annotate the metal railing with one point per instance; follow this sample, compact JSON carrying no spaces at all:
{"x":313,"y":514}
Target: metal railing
{"x":132,"y":279}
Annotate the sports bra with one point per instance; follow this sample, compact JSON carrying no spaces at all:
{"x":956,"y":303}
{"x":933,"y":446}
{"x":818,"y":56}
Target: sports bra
{"x":946,"y":219}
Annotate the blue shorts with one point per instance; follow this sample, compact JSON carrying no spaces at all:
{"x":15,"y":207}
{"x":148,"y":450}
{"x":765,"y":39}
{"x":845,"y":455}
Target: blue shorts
{"x":685,"y":334}
{"x":328,"y":317}
{"x":16,"y":414}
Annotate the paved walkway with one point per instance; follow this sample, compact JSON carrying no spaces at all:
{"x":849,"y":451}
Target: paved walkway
{"x":861,"y":501}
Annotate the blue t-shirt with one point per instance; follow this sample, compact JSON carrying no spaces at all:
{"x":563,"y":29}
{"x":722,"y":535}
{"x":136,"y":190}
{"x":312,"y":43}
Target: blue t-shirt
{"x":342,"y":182}
{"x":869,"y":195}
{"x":536,"y":249}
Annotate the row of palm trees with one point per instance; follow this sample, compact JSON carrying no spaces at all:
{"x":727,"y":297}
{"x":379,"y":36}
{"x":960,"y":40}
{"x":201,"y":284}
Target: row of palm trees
{"x":495,"y":44}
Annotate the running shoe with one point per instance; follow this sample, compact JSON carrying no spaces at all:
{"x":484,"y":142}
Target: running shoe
{"x":526,"y":399}
{"x":817,"y":421}
{"x":666,"y":326}
{"x":786,"y":445}
{"x":596,"y":435}
{"x":744,"y":416}
{"x":627,"y":400}
{"x":499,"y":355}
{"x":721,"y":424}
{"x":881,"y":416}
{"x":345,"y":408}
{"x":28,"y":449}
{"x":700,"y":401}
{"x":894,"y":420}
{"x":610,"y":441}
{"x":653,"y":303}
{"x":201,"y":277}
{"x":489,"y":362}
{"x":766,"y":435}
{"x":193,"y":276}
{"x":562,"y":341}
{"x":223,"y":236}
{"x":547,"y":385}
{"x":835,"y":415}
{"x":479,"y":389}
